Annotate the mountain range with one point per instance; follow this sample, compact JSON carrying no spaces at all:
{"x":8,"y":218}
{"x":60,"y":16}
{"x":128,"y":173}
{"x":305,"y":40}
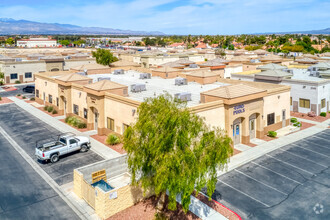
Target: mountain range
{"x":9,"y":26}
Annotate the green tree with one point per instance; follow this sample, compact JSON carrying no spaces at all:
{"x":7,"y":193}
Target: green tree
{"x":104,"y":57}
{"x":10,"y":41}
{"x":64,"y":42}
{"x":220,"y":52}
{"x":170,"y":148}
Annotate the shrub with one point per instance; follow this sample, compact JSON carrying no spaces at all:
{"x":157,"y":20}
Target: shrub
{"x":32,"y":99}
{"x":0,"y":98}
{"x":67,"y":119}
{"x":112,"y":139}
{"x":46,"y":108}
{"x":272,"y":133}
{"x":297,"y":124}
{"x":82,"y":124}
{"x":18,"y":94}
{"x":50,"y":108}
{"x":323,"y":114}
{"x":17,"y":82}
{"x":23,"y":97}
{"x":54,"y":112}
{"x":293,"y":120}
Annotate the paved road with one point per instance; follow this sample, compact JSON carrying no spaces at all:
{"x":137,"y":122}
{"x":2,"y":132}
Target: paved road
{"x":292,"y":182}
{"x":18,"y":91}
{"x":26,"y":129}
{"x":23,"y":193}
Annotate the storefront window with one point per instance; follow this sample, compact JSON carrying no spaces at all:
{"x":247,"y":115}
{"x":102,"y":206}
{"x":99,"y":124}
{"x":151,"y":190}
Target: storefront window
{"x":75,"y":109}
{"x":271,"y":119}
{"x":304,"y":103}
{"x":323,"y":103}
{"x":111,"y":124}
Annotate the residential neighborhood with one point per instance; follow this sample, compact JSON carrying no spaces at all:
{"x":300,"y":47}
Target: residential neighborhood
{"x":163,"y":122}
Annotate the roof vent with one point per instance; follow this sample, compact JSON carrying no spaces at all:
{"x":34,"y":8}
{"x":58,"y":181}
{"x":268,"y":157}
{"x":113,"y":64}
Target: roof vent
{"x":180,"y":81}
{"x":118,"y":72}
{"x":138,"y":87}
{"x":193,"y":65}
{"x":145,"y":76}
{"x":82,"y":73}
{"x":183,"y":96}
{"x":103,"y":78}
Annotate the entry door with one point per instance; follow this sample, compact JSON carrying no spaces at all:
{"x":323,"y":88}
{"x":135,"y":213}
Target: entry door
{"x":236,"y":133}
{"x":64,"y":100}
{"x":96,"y":120}
{"x":283,"y":118}
{"x":252,"y":128}
{"x":44,"y":95}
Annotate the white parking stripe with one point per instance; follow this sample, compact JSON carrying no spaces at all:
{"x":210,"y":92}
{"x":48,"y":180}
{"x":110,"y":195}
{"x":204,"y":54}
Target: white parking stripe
{"x":320,"y":138}
{"x":244,"y":194}
{"x":313,"y":151}
{"x":289,"y":164}
{"x":276,"y":173}
{"x":260,"y":182}
{"x":317,"y":144}
{"x":302,"y":157}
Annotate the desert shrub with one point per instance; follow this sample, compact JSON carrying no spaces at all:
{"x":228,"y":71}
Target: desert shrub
{"x":293,"y":120}
{"x":17,"y":82}
{"x":272,"y":133}
{"x":323,"y":114}
{"x":50,"y":108}
{"x":67,"y":119}
{"x":76,"y":122}
{"x":160,"y":216}
{"x":0,"y":98}
{"x":54,"y":112}
{"x":112,"y":139}
{"x":46,"y":108}
{"x":32,"y":99}
{"x":18,"y":94}
{"x":23,"y":97}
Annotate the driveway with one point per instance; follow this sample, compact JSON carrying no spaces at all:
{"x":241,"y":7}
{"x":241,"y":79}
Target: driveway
{"x":23,"y":193}
{"x":18,"y":91}
{"x":26,"y":129}
{"x":292,"y":182}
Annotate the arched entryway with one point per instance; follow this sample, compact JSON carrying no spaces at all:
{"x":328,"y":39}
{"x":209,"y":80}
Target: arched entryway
{"x":93,"y":118}
{"x":63,"y":104}
{"x":237,"y":130}
{"x":252,"y":126}
{"x":54,"y":70}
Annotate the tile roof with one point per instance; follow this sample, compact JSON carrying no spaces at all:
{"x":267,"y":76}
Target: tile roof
{"x":272,"y":66}
{"x":104,"y":85}
{"x":92,"y":66}
{"x":233,"y":91}
{"x":71,"y":77}
{"x":215,"y":62}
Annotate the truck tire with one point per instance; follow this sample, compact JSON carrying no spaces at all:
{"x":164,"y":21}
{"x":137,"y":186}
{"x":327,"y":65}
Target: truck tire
{"x":83,"y":148}
{"x":54,"y":158}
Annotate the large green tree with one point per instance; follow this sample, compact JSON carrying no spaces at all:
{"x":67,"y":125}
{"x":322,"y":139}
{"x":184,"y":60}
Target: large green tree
{"x":171,"y":148}
{"x":2,"y":78}
{"x":104,"y":57}
{"x":10,"y":41}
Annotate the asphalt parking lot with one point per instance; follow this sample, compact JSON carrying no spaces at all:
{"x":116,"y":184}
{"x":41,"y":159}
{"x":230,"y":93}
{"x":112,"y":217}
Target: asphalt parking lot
{"x":18,"y":91}
{"x":292,"y":182}
{"x":23,"y":193}
{"x":26,"y":129}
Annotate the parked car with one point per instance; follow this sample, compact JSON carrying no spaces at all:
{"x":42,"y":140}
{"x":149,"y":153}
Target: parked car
{"x":29,"y":89}
{"x":52,"y":149}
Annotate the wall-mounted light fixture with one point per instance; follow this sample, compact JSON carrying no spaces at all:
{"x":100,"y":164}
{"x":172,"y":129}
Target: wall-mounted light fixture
{"x":133,"y":112}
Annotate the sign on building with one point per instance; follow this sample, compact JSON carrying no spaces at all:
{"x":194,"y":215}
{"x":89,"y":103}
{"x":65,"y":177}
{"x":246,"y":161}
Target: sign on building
{"x":99,"y":175}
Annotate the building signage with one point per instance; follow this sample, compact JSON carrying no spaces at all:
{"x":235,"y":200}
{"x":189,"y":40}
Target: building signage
{"x":238,"y":109}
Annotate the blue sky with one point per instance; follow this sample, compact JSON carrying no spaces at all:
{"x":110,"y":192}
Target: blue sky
{"x":178,"y":16}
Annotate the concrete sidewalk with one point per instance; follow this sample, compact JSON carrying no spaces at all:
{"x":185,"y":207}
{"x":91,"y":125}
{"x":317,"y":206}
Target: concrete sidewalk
{"x":99,"y":148}
{"x":264,"y":148}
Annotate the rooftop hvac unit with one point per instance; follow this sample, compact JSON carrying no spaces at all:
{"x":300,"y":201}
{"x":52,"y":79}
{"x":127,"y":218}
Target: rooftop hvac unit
{"x":18,"y":59}
{"x":183,"y":96}
{"x":103,"y":78}
{"x":145,"y":76}
{"x":138,"y":87}
{"x":82,"y":73}
{"x":193,"y":65}
{"x":118,"y":72}
{"x":180,"y":81}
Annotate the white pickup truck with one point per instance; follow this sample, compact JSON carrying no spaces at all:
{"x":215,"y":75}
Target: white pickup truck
{"x":64,"y":144}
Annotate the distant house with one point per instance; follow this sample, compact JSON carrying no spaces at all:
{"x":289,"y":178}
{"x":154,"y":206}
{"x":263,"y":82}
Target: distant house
{"x":36,"y":42}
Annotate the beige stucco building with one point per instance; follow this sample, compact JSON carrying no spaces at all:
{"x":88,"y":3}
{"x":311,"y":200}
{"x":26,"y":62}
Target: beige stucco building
{"x":109,"y":102}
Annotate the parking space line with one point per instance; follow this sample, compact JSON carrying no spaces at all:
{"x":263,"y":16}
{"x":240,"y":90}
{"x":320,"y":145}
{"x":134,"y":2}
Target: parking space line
{"x":244,"y":193}
{"x":318,"y":145}
{"x":302,"y":157}
{"x":313,"y":151}
{"x":276,"y":172}
{"x":260,"y":182}
{"x":320,"y":138}
{"x":289,"y":164}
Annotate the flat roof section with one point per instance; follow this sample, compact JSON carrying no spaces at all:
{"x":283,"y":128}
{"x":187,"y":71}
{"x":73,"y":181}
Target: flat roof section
{"x":157,"y":86}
